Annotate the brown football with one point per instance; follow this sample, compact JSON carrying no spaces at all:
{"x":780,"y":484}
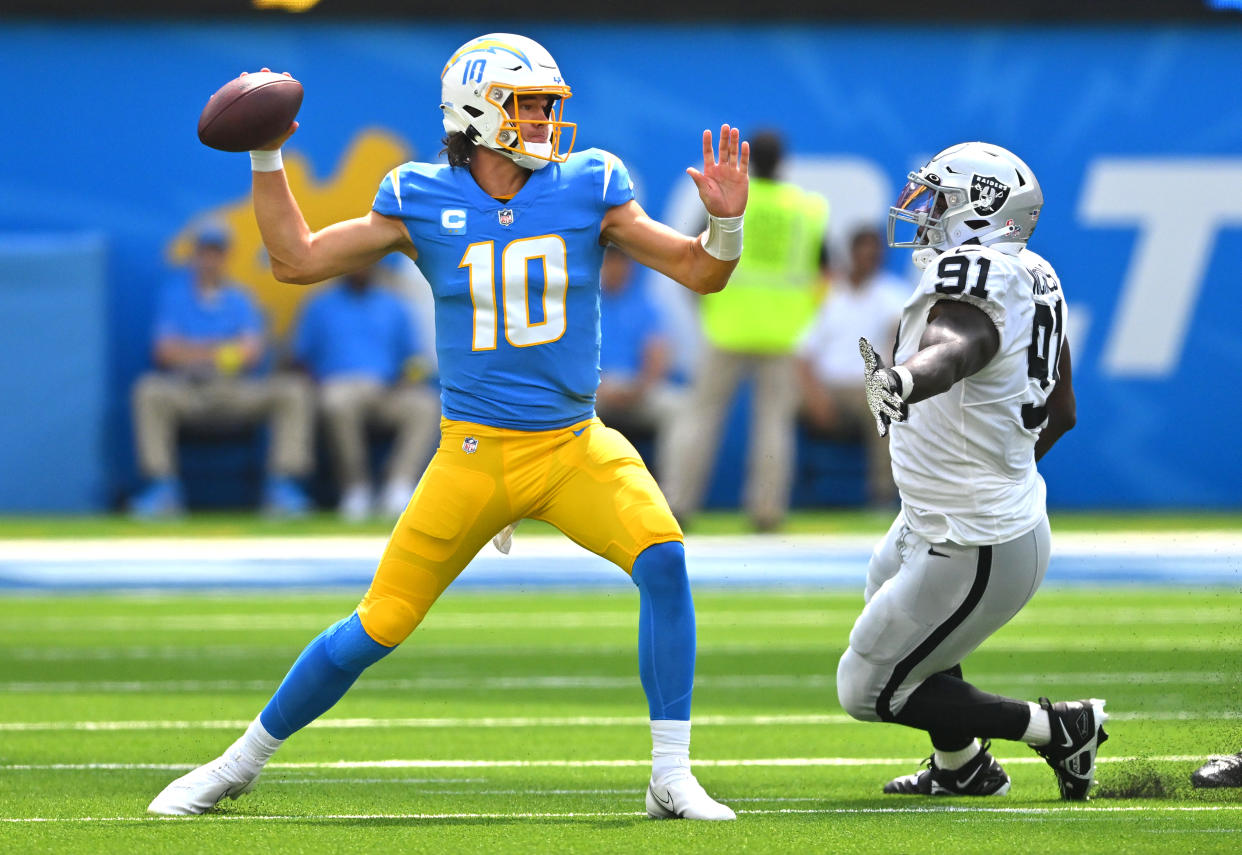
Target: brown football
{"x":250,"y":111}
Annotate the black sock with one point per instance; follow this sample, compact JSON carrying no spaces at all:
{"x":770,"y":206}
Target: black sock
{"x":951,"y":739}
{"x":950,"y":708}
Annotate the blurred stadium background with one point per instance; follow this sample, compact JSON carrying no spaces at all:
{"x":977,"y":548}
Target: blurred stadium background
{"x":1127,"y":112}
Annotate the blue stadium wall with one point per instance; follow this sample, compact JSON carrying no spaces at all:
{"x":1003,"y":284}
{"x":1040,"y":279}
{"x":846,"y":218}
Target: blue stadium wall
{"x":1135,"y":134}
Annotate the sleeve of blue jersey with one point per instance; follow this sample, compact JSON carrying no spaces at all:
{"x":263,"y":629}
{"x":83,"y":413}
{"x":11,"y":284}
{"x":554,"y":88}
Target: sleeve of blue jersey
{"x":386,"y":201}
{"x":617,"y":187}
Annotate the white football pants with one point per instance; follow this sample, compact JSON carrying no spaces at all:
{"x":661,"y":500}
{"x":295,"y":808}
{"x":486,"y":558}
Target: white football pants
{"x":928,"y":606}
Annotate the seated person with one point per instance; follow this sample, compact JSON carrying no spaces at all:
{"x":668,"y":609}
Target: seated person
{"x":358,"y":342}
{"x":634,"y":395}
{"x":208,"y":353}
{"x":865,"y":301}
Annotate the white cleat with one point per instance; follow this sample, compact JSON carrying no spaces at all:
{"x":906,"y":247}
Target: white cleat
{"x":202,"y":789}
{"x":679,"y":796}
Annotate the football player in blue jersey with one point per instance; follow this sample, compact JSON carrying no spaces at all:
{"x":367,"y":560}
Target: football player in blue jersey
{"x":511,"y":235}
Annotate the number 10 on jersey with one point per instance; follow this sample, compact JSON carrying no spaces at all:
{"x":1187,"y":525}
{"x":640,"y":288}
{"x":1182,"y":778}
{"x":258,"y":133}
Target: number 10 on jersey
{"x":515,"y":259}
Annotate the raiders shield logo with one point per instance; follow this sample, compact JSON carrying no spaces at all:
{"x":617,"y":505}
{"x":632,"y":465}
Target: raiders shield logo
{"x":987,"y":194}
{"x":506,"y":217}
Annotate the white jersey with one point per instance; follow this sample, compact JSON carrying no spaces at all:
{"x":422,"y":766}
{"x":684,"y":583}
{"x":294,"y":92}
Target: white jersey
{"x":964,"y":462}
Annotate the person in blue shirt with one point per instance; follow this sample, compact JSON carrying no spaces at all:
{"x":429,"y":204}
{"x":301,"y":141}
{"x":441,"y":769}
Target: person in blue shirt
{"x":358,"y":343}
{"x":510,"y":234}
{"x":208,"y":350}
{"x":635,"y":395}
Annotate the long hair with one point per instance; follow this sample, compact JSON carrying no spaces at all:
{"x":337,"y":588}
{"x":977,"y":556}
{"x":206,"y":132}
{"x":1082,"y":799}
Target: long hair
{"x":459,"y":149}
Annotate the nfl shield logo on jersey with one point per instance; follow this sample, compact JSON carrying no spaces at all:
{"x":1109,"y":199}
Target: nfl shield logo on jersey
{"x":505,"y":216}
{"x":470,"y":445}
{"x":987,"y":194}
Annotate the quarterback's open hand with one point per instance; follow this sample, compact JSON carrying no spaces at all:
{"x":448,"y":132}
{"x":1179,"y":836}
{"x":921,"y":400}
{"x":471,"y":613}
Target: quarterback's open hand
{"x":882,"y":387}
{"x":724,"y":181}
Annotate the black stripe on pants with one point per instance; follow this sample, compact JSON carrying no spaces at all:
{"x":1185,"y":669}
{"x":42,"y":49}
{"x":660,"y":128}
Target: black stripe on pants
{"x":983,"y":571}
{"x":953,"y":711}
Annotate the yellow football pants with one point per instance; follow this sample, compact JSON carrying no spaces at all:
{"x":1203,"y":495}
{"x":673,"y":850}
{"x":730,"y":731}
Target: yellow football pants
{"x":587,"y":480}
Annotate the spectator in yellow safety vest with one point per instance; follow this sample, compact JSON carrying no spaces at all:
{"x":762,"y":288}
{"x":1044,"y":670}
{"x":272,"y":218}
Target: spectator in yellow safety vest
{"x":750,"y":331}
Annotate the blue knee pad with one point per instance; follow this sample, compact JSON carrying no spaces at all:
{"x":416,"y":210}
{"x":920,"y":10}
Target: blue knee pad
{"x":321,"y":675}
{"x":666,"y":632}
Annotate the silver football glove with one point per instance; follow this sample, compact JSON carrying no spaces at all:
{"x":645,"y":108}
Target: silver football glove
{"x":883,"y":389}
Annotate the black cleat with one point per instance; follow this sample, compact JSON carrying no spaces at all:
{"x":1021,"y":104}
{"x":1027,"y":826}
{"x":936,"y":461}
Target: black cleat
{"x":1077,"y":734}
{"x":982,"y":776}
{"x":1219,"y":772}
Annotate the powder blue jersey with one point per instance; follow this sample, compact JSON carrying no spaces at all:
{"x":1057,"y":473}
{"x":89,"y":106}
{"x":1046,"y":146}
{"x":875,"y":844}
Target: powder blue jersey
{"x":516,"y":285}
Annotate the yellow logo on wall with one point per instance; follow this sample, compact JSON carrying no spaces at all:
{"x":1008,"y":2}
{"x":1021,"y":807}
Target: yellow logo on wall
{"x":346,"y":194}
{"x":287,"y":5}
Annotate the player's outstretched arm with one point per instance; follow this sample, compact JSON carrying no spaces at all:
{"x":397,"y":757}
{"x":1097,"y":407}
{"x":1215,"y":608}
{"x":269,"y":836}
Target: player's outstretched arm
{"x":1062,"y":406}
{"x":959,"y":341}
{"x":702,"y":264}
{"x":302,"y":256}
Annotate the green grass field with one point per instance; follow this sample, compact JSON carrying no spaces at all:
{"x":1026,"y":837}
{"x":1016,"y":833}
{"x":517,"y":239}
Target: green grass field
{"x":514,"y":722}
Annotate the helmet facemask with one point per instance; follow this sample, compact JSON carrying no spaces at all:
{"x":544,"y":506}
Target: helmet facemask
{"x":509,"y":138}
{"x":923,"y":204}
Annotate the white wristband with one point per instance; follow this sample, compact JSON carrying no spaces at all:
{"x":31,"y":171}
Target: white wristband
{"x":906,"y":379}
{"x":723,"y":238}
{"x":266,"y":160}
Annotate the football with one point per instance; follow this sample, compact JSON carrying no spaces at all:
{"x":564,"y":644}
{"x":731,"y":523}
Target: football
{"x":249,"y":111}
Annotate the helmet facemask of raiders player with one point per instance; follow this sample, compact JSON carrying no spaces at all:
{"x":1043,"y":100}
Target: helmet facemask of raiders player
{"x":485,"y":83}
{"x":970,"y":193}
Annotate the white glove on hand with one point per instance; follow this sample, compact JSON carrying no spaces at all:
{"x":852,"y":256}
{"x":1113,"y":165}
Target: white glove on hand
{"x":883,"y":389}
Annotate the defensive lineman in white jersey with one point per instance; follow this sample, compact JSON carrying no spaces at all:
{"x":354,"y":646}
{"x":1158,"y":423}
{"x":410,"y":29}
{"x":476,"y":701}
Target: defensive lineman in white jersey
{"x":979,"y":390}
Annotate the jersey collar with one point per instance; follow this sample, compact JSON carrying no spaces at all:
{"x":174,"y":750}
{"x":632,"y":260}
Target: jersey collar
{"x":531,"y":190}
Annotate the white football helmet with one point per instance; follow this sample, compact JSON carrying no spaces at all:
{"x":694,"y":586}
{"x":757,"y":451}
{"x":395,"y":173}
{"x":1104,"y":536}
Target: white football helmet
{"x":480,"y":79}
{"x":971,"y":192}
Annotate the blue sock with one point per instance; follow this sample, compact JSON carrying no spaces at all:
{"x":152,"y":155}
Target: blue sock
{"x":321,"y":675}
{"x":665,"y":630}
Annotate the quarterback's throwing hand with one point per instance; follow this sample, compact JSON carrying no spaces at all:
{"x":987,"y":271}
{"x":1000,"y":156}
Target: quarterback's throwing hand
{"x":723,"y":182}
{"x":883,"y":385}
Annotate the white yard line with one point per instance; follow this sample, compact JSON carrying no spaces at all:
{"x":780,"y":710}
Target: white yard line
{"x":1050,"y":812}
{"x":602,"y":682}
{"x":1187,"y":543}
{"x":431,"y":723}
{"x":624,"y":618}
{"x":539,"y":722}
{"x":765,"y":762}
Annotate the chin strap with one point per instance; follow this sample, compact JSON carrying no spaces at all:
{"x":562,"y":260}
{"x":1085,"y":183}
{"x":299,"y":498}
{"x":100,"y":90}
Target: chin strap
{"x":538,"y":149}
{"x":1008,"y":230}
{"x":925,"y":256}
